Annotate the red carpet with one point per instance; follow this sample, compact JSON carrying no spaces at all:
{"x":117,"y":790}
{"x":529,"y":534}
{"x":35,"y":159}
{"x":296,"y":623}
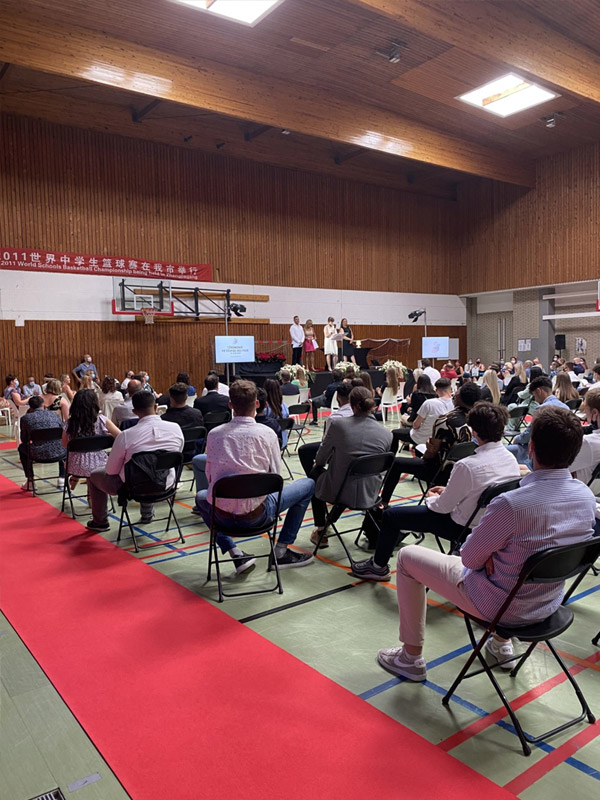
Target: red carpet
{"x":183,"y":701}
{"x":8,"y":445}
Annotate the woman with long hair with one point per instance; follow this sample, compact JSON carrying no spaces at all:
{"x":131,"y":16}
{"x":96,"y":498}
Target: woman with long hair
{"x":85,"y":420}
{"x":109,"y":398}
{"x":424,"y":390}
{"x":54,"y":399}
{"x":347,"y":341}
{"x":300,"y":380}
{"x":564,"y":389}
{"x":275,"y":405}
{"x":310,"y":345}
{"x":88,"y":381}
{"x":490,"y":390}
{"x":367,"y":382}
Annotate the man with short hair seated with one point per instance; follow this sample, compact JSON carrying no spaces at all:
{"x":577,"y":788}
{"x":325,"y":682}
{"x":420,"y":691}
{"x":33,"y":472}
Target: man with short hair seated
{"x":307,"y":452}
{"x":39,"y":418}
{"x":222,"y":388}
{"x":549,"y":509}
{"x":287,"y":388}
{"x":150,"y":434}
{"x":448,"y":508}
{"x":540,"y":389}
{"x":422,"y":427}
{"x":242,"y":447}
{"x":125,"y":410}
{"x":212,"y":399}
{"x":324,"y":400}
{"x":179,"y":411}
{"x":588,"y":457}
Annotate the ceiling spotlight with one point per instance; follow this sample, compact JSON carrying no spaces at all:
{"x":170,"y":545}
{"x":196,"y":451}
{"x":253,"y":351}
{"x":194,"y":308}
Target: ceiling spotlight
{"x":394,"y":54}
{"x":551,"y":120}
{"x":285,"y":131}
{"x":414,"y":315}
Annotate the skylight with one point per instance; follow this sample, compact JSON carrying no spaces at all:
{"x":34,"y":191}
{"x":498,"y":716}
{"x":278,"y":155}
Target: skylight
{"x":248,"y":12}
{"x":507,"y":95}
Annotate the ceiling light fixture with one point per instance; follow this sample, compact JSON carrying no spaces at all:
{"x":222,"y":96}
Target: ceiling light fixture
{"x":507,"y":95}
{"x":394,"y":54}
{"x":551,"y":120}
{"x":248,"y":12}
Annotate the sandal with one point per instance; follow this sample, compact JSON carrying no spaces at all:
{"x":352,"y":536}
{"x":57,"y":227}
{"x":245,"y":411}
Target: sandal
{"x":314,"y":537}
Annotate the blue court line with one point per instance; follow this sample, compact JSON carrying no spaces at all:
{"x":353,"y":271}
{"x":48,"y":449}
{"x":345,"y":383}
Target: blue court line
{"x":582,"y":594}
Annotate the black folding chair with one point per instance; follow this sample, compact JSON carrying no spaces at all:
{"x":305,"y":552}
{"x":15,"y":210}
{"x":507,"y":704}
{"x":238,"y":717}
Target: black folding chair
{"x":82,"y":444}
{"x":191,"y":436}
{"x":518,"y":413}
{"x":485,"y":498}
{"x":575,"y":403}
{"x":554,"y":565}
{"x":145,"y":493}
{"x":238,"y":487}
{"x":363,"y":467}
{"x":213,"y":419}
{"x":299,"y":410}
{"x":595,"y":475}
{"x":286,"y":424}
{"x":38,"y":437}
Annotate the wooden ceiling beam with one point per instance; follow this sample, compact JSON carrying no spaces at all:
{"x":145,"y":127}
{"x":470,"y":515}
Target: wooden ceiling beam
{"x":507,"y":34}
{"x":92,"y":56}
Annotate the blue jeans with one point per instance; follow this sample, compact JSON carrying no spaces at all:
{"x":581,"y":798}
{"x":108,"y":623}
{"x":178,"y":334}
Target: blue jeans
{"x":295,"y":498}
{"x":521,"y":453}
{"x":199,"y":467}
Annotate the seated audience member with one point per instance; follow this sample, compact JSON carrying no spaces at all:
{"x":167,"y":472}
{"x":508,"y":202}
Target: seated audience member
{"x":48,"y":377}
{"x":422,"y":427}
{"x":88,"y":381}
{"x":212,"y":399}
{"x":125,"y":410}
{"x":595,"y":386}
{"x":144,"y":380}
{"x":448,"y":371}
{"x":128,"y":376}
{"x":81,"y":369}
{"x":448,"y":508}
{"x":564,"y":388}
{"x":31,"y":388}
{"x":525,"y":398}
{"x":588,"y":457}
{"x":85,"y":420}
{"x":261,"y":416}
{"x":347,"y":438}
{"x":65,"y":385}
{"x":490,"y":391}
{"x":109,"y":398}
{"x":579,"y":366}
{"x":422,"y":391}
{"x":324,"y":400}
{"x":150,"y":434}
{"x":517,"y":383}
{"x":14,"y":392}
{"x":54,"y":400}
{"x":242,"y":447}
{"x":179,"y":411}
{"x":184,"y":377}
{"x":434,"y":374}
{"x":541,"y":391}
{"x":36,"y":419}
{"x":343,"y":397}
{"x":391,"y":383}
{"x":222,"y":388}
{"x":368,"y":384}
{"x":569,"y":368}
{"x":287,"y":388}
{"x":275,"y":406}
{"x":549,"y":509}
{"x":300,"y":381}
{"x":449,"y":429}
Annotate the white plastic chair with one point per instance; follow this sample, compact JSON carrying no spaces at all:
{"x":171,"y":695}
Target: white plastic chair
{"x":389,"y":402}
{"x":5,"y":416}
{"x":304,"y":395}
{"x":190,"y":400}
{"x":161,"y":410}
{"x":334,"y":403}
{"x":16,"y":413}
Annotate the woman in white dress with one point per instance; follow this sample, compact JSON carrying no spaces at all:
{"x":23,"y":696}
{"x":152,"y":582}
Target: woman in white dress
{"x":331,"y":346}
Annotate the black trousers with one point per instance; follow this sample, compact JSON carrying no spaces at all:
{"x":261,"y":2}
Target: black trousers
{"x":28,"y":465}
{"x":411,"y":519}
{"x":317,"y":403}
{"x":307,"y":454}
{"x":297,"y":355}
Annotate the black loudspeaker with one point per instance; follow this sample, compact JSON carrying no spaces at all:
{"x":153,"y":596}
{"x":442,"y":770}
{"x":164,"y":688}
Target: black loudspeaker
{"x":560,"y":341}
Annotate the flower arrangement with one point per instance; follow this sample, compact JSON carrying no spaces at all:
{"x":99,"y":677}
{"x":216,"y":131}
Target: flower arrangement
{"x":397,"y":365}
{"x":293,"y":370}
{"x":343,"y":366}
{"x":270,"y":358}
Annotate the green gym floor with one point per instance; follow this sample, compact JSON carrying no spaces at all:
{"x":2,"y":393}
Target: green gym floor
{"x":335,"y":624}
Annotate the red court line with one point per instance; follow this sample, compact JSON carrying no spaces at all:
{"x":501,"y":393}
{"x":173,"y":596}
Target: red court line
{"x":494,"y":716}
{"x":553,"y":759}
{"x":8,"y":445}
{"x":200,"y":707}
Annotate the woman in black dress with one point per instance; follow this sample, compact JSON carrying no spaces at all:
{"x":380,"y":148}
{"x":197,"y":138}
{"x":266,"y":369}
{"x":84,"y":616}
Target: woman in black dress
{"x":347,"y":341}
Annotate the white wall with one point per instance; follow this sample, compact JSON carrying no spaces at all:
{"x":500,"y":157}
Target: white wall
{"x":27,"y":295}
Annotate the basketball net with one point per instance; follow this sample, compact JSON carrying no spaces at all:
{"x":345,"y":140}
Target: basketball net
{"x":149,"y":315}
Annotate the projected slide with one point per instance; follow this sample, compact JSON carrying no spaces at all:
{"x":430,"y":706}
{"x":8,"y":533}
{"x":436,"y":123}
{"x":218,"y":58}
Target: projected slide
{"x":435,"y":347}
{"x":234,"y":349}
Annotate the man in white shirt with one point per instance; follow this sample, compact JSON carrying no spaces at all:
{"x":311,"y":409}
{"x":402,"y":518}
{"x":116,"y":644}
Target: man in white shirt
{"x":243,"y":447}
{"x":31,"y":388}
{"x":434,"y":374}
{"x":588,"y":457}
{"x":150,"y":434}
{"x":222,"y":388}
{"x":448,"y":508}
{"x":125,"y":410}
{"x":297,"y":337}
{"x":125,"y":382}
{"x":422,"y":427}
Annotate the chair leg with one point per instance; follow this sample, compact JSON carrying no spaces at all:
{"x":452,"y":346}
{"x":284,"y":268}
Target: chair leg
{"x":272,"y":534}
{"x":343,"y":543}
{"x":522,"y":659}
{"x":218,"y":571}
{"x":586,"y":710}
{"x":135,"y":544}
{"x":171,"y":502}
{"x":291,"y":477}
{"x":596,"y":639}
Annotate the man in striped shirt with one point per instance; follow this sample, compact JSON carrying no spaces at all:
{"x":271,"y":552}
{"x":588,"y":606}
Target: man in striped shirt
{"x":549,"y":509}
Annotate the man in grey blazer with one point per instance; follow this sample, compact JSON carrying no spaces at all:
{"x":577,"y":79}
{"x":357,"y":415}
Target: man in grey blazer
{"x":347,"y":439}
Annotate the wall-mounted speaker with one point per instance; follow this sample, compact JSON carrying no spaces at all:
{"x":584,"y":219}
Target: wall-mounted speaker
{"x":560,"y":341}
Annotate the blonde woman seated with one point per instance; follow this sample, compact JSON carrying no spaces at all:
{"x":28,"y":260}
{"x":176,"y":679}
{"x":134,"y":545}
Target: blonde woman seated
{"x":490,"y":390}
{"x":54,"y":400}
{"x":564,"y":389}
{"x":88,"y":381}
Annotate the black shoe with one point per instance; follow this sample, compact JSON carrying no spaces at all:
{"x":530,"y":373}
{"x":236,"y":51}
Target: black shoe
{"x":145,"y":520}
{"x":314,"y":423}
{"x":291,"y":559}
{"x":97,"y":526}
{"x":243,"y":563}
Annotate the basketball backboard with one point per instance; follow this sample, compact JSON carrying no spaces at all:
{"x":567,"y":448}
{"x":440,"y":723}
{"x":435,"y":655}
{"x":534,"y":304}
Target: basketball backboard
{"x":132,"y":295}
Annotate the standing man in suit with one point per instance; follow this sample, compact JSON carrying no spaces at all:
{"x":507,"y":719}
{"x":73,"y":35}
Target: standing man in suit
{"x":213,"y":400}
{"x":297,"y":337}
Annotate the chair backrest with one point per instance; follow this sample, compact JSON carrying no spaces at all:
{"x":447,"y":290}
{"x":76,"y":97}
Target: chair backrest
{"x":334,"y":402}
{"x":213,"y":419}
{"x":365,"y":466}
{"x":90,"y":444}
{"x":518,"y":412}
{"x":574,"y":403}
{"x":291,"y":399}
{"x":595,"y":475}
{"x":193,"y":434}
{"x":45,"y":435}
{"x":146,"y":472}
{"x":388,"y":398}
{"x":190,"y":399}
{"x":461,"y":450}
{"x":250,"y":485}
{"x":129,"y":423}
{"x":300,"y":409}
{"x":285,"y":423}
{"x":304,"y":394}
{"x":160,"y":410}
{"x":495,"y":490}
{"x":558,"y":564}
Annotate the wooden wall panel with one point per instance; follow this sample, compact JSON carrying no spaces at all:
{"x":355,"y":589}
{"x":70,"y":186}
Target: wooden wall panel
{"x":162,"y":350}
{"x":551,"y":234}
{"x":74,"y":190}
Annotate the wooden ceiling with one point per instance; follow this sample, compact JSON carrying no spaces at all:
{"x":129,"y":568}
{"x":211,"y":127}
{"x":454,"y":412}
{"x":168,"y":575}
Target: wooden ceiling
{"x":311,"y":67}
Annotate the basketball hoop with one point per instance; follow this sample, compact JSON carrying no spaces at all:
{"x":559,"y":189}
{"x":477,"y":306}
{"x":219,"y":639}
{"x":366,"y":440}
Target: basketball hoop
{"x":149,"y":314}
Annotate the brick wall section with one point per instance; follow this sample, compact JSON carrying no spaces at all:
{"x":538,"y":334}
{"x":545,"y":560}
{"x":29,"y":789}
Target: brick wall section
{"x":482,"y":333}
{"x":587,"y":327}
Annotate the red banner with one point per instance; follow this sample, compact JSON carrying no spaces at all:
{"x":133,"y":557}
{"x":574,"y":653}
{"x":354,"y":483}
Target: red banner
{"x":49,"y":261}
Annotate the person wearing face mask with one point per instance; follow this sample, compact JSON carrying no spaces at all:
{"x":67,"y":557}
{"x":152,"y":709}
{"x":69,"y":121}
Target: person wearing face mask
{"x":13,"y":391}
{"x":588,"y":457}
{"x":31,"y":387}
{"x":86,"y":364}
{"x":447,"y":509}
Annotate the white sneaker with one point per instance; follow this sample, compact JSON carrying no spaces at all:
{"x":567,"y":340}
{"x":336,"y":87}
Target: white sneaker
{"x":501,"y":651}
{"x":394,"y":661}
{"x":26,"y":486}
{"x":60,"y":483}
